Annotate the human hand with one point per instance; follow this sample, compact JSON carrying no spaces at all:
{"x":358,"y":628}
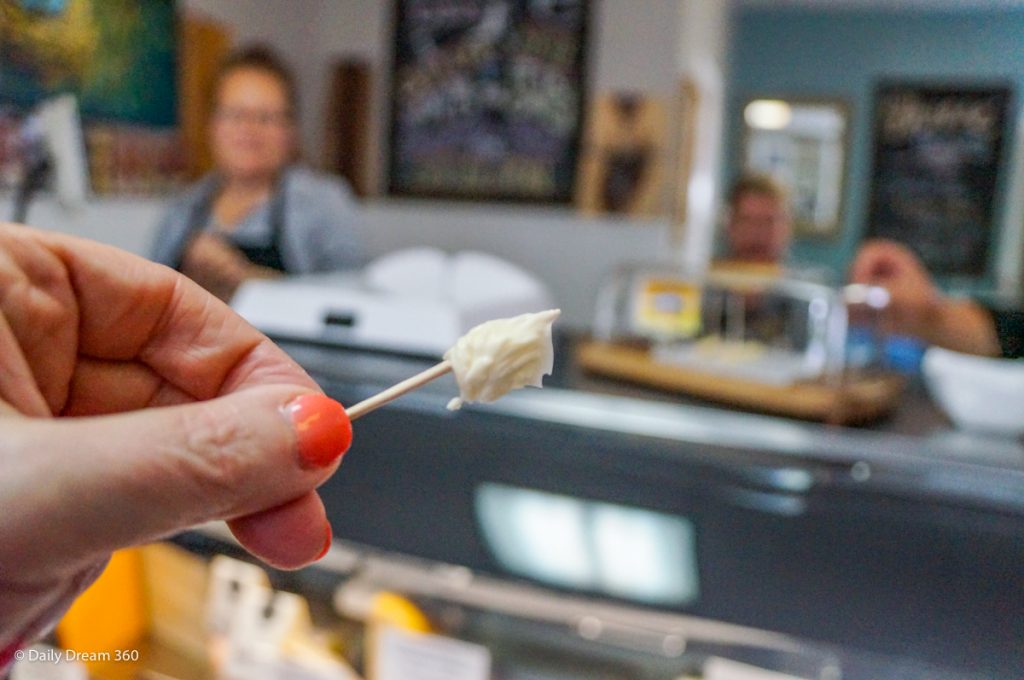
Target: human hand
{"x":133,"y":405}
{"x":214,"y":264}
{"x":914,"y":298}
{"x":916,"y":306}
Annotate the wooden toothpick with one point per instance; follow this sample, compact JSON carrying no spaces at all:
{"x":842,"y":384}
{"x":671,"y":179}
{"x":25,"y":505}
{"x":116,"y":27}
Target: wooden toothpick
{"x":395,"y":391}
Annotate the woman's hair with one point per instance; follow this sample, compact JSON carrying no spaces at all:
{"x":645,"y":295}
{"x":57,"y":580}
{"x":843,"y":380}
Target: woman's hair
{"x":264,"y":59}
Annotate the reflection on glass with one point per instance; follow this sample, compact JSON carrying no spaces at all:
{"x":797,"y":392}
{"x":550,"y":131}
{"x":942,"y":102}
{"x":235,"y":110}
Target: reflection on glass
{"x":537,"y":534}
{"x":621,"y":551}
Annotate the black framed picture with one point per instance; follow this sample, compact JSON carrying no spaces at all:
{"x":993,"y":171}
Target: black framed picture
{"x":487,"y":99}
{"x":937,"y":156}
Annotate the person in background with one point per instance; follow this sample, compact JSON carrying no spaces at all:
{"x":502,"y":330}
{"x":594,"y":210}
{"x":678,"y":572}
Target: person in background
{"x":756,"y":239}
{"x":758,"y":225}
{"x":258,"y":214}
{"x":134,"y":405}
{"x":918,"y":308}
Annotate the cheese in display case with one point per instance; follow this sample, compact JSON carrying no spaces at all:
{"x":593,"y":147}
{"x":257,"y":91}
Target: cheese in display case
{"x":770,"y":343}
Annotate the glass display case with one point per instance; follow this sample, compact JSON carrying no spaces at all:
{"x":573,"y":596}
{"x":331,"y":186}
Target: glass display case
{"x":771,"y":343}
{"x":771,"y":329}
{"x":897,"y":555}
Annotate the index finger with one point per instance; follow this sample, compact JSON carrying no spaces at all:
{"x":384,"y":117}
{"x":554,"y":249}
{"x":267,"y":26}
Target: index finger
{"x":131,"y":309}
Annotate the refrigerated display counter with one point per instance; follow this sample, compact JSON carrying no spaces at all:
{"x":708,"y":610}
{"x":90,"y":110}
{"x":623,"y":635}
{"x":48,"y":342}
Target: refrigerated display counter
{"x":626,"y":519}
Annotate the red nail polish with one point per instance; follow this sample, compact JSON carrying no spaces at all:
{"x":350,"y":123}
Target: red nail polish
{"x":327,"y":543}
{"x":322,"y":429}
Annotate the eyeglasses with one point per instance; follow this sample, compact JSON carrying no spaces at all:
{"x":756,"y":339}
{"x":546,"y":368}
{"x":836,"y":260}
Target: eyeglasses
{"x":237,"y":116}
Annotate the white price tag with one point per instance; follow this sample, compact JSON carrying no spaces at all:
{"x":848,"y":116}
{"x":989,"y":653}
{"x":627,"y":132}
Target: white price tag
{"x":419,"y":656}
{"x":229,"y":580}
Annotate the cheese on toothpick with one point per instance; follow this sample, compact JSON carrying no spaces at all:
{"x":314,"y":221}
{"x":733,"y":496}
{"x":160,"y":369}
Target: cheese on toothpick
{"x":502,"y":355}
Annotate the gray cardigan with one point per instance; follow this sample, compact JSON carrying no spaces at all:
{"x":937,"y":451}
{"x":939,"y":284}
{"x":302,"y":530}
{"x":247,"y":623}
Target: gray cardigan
{"x":320,"y":232}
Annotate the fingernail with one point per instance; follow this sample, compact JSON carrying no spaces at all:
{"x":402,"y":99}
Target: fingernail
{"x":322,"y":429}
{"x":327,"y":543}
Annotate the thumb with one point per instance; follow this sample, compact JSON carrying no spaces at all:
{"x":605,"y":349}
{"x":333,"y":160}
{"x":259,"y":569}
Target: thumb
{"x":92,"y":485}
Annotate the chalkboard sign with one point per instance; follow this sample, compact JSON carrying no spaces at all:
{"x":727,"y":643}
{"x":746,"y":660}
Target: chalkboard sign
{"x":487,"y":98}
{"x":936,"y":161}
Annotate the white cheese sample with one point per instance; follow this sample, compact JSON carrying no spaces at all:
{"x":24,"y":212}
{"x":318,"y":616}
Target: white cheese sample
{"x":502,"y":355}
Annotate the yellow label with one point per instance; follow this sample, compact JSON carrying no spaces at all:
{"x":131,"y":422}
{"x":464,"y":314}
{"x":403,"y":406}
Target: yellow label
{"x":667,"y":307}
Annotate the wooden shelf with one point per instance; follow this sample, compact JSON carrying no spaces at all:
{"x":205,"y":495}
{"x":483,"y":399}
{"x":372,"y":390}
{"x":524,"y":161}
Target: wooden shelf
{"x":848,"y":402}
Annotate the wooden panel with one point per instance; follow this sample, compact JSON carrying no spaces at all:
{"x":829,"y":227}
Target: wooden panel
{"x":176,"y":582}
{"x":688,"y":101}
{"x":203,"y":44}
{"x":348,"y":124}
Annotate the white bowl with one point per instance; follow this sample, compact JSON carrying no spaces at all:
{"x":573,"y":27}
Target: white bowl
{"x":977,"y":393}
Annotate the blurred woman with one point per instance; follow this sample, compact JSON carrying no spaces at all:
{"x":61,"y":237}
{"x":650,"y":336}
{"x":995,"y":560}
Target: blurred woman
{"x":258,"y":214}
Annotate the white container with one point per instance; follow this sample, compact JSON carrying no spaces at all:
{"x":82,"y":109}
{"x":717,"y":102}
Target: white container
{"x":977,"y":393}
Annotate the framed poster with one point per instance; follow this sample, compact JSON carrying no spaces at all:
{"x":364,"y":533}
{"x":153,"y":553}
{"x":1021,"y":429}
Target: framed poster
{"x":937,"y":156}
{"x":803,"y":144}
{"x":119,"y":59}
{"x":487,"y":99}
{"x":622,"y":163}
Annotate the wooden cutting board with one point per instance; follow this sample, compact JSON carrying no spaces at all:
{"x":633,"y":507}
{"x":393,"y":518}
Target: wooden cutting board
{"x":852,"y":401}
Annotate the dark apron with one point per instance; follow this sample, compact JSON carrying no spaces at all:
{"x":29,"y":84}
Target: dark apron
{"x":265,"y":255}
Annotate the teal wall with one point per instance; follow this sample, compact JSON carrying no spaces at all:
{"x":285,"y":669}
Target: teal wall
{"x":843,"y":54}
